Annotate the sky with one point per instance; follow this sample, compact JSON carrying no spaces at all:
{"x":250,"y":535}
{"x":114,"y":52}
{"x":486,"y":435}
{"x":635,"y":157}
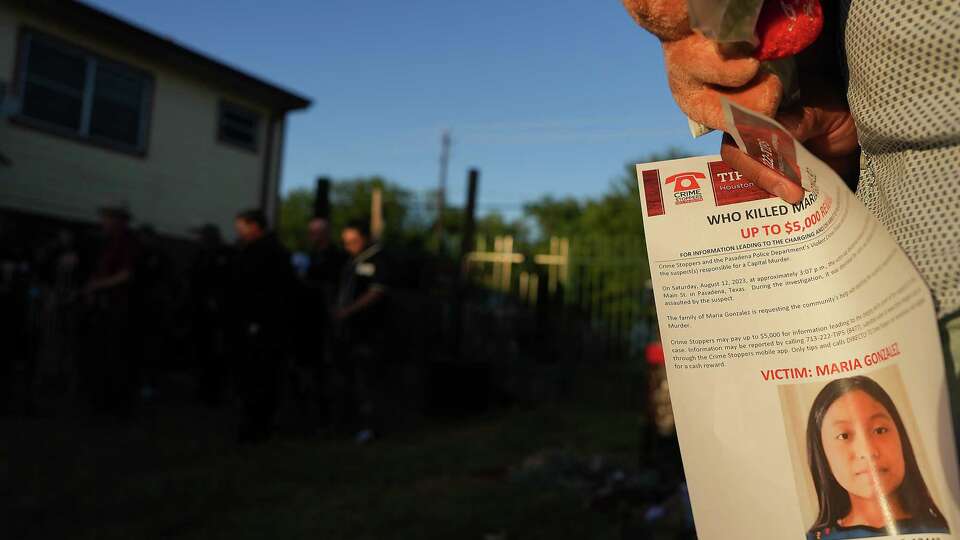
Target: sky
{"x":544,"y":97}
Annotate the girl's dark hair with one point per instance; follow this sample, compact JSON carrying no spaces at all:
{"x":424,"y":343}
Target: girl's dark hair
{"x":834,"y":499}
{"x":253,"y":215}
{"x":362,"y":226}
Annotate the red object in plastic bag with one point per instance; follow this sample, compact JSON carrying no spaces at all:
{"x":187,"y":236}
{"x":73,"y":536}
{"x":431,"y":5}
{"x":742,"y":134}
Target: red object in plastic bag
{"x":786,"y":27}
{"x":654,"y":353}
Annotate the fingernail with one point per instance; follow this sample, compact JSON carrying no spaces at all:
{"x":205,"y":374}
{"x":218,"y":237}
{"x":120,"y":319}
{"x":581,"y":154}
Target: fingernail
{"x":780,"y":190}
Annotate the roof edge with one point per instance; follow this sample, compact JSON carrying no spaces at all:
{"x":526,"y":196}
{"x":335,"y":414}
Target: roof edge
{"x":113,"y":28}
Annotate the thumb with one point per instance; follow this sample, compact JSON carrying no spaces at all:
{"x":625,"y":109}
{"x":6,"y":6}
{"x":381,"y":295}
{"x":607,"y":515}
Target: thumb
{"x":762,"y":176}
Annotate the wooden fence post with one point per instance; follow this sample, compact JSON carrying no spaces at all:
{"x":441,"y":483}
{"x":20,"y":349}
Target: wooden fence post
{"x":466,"y":247}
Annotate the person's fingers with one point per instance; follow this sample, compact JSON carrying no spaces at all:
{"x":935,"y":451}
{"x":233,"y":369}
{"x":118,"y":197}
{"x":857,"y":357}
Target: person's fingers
{"x":666,"y":19}
{"x":701,"y":102}
{"x":826,"y":131}
{"x":799,"y":122}
{"x":762,"y":176}
{"x":702,"y":60}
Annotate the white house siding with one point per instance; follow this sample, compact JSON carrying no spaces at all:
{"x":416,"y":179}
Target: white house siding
{"x":186,"y":178}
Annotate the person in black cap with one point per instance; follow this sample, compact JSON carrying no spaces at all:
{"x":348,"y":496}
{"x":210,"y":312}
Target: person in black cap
{"x":262,"y":286}
{"x":359,"y":318}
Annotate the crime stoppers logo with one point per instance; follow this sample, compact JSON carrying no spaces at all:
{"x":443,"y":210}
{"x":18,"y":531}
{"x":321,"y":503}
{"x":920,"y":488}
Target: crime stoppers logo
{"x":686,"y":187}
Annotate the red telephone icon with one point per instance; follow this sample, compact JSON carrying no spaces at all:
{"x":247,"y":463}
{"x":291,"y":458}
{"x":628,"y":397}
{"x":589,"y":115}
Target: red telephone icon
{"x":686,"y":181}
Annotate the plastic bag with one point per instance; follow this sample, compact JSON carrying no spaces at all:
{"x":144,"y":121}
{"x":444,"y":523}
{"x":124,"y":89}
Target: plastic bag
{"x":725,"y":21}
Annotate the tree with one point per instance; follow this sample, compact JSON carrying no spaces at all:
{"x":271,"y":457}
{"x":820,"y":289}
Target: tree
{"x":495,"y":224}
{"x":296,"y":209}
{"x":350,"y":200}
{"x":555,"y":217}
{"x":615,"y":212}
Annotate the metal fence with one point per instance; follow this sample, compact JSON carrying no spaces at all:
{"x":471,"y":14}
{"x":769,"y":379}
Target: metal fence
{"x":599,"y":285}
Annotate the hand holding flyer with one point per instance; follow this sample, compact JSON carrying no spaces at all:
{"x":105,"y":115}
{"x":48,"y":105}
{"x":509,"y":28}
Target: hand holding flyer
{"x":802,"y":353}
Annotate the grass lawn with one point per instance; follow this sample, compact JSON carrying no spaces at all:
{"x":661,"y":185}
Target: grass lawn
{"x":183,"y":477}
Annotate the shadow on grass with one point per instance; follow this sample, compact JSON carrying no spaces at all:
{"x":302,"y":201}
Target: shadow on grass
{"x":183,"y":477}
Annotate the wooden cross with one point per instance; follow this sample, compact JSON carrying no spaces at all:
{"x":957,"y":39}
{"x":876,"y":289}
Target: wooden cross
{"x":502,"y":257}
{"x":529,"y":287}
{"x":557,"y":262}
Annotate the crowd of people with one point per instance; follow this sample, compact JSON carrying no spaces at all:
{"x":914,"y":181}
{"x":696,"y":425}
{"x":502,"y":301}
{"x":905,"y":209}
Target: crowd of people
{"x":107,"y":318}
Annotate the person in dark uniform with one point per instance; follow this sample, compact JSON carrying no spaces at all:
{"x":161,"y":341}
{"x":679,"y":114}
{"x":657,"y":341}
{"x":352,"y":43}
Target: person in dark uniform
{"x":108,"y":359}
{"x":326,"y":259}
{"x":359,"y":318}
{"x":151,"y":306}
{"x":319,"y":285}
{"x":262,"y":285}
{"x":209,"y":280}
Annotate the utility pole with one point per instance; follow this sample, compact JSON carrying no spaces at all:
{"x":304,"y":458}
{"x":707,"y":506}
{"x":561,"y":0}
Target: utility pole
{"x":442,"y":189}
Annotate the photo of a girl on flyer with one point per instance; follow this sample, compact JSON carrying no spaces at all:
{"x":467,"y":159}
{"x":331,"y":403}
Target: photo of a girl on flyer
{"x":864,"y":469}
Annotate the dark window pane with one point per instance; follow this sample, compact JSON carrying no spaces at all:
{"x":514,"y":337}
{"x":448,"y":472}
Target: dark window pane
{"x":242,"y":120}
{"x":54,"y":65}
{"x":117,"y":104}
{"x":238,"y":126}
{"x":117,"y":84}
{"x":42,"y":103}
{"x":53,"y":90}
{"x":115,"y":122}
{"x":238,"y":136}
{"x":246,"y":127}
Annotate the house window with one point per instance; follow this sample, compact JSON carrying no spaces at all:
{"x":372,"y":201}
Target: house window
{"x":238,"y":126}
{"x":74,"y":92}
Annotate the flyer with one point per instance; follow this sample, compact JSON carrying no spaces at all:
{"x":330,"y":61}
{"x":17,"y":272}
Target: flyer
{"x":802,"y":352}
